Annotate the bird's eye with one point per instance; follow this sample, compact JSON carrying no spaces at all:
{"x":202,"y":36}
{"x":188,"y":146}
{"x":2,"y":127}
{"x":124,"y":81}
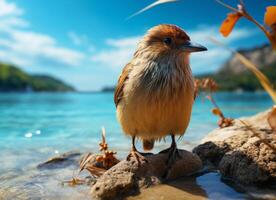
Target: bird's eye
{"x":167,"y":41}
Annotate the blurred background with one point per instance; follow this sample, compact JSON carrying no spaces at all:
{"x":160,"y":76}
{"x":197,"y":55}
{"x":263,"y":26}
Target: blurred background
{"x":86,"y":43}
{"x":60,"y":61}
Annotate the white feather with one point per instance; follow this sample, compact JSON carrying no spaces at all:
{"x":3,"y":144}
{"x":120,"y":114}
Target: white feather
{"x":158,"y":2}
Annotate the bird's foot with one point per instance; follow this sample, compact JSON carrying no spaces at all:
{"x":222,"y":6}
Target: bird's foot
{"x":137,"y":156}
{"x":173,"y":156}
{"x":172,"y":152}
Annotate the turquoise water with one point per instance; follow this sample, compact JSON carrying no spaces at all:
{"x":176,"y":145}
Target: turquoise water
{"x":34,"y":127}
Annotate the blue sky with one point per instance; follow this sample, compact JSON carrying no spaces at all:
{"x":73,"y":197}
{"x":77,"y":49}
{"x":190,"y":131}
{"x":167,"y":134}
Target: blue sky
{"x":87,"y":42}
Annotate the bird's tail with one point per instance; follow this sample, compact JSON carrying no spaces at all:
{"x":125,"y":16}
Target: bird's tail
{"x":148,"y":144}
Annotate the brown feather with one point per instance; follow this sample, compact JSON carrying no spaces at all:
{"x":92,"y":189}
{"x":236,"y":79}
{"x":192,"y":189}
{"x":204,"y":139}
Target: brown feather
{"x":155,"y":91}
{"x":119,"y":91}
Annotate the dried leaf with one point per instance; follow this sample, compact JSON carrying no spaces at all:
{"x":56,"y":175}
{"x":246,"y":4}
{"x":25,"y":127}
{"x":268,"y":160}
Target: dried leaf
{"x":209,"y":84}
{"x":270,"y":15}
{"x":270,"y":20}
{"x":216,"y":111}
{"x":272,"y":118}
{"x":229,"y":23}
{"x":88,"y":164}
{"x":103,"y":134}
{"x":74,"y":182}
{"x":158,"y":2}
{"x":96,"y":171}
{"x":225,"y":122}
{"x":98,"y":165}
{"x":103,"y":145}
{"x":84,"y":161}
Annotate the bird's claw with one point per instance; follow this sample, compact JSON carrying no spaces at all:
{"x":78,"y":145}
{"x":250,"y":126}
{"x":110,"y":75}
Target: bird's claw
{"x":173,"y":156}
{"x":137,"y":156}
{"x":172,"y":152}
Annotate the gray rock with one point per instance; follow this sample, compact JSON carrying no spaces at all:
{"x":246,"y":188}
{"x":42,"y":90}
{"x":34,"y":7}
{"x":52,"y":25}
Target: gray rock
{"x":241,"y":155}
{"x":262,"y":56}
{"x":128,"y":178}
{"x":61,"y":161}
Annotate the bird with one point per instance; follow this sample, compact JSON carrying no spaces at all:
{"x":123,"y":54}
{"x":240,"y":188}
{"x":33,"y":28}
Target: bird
{"x":155,"y":91}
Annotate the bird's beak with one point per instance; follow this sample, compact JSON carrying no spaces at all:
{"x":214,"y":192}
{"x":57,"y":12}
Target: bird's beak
{"x":192,"y":47}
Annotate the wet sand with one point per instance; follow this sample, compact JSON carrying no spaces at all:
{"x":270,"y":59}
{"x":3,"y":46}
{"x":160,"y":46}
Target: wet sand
{"x":185,"y":188}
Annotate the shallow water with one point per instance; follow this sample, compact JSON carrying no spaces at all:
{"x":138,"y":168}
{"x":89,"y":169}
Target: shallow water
{"x":207,"y":186}
{"x":34,"y":127}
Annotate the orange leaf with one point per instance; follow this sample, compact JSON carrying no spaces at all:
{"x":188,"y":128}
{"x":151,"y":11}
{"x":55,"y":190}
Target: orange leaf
{"x":270,"y":15}
{"x":216,"y":111}
{"x":229,"y":23}
{"x":272,"y":118}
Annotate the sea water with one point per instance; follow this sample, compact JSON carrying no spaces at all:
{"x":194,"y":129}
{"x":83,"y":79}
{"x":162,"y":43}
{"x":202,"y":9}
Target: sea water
{"x":36,"y":126}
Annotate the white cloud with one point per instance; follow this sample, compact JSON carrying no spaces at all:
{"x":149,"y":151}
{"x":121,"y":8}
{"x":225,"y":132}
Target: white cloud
{"x":208,"y":61}
{"x":81,"y":40}
{"x":7,"y":9}
{"x":120,"y":51}
{"x":10,"y":23}
{"x":212,"y":59}
{"x":78,"y":39}
{"x":24,"y":47}
{"x":10,"y":16}
{"x":43,"y":46}
{"x":37,"y":48}
{"x":203,"y":33}
{"x":21,"y":46}
{"x":124,"y":42}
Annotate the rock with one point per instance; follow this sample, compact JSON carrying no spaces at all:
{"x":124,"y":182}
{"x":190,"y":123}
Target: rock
{"x":261,"y":56}
{"x":211,"y":153}
{"x":240,"y":155}
{"x":127,"y":178}
{"x":61,"y":161}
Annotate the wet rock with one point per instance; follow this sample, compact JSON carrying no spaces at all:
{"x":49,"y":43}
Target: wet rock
{"x":61,"y":161}
{"x":239,"y":154}
{"x":211,"y":153}
{"x":128,"y":178}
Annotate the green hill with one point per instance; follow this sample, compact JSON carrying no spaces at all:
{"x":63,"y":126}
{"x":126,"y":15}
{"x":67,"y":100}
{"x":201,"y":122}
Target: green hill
{"x":14,"y":79}
{"x":245,"y":81}
{"x":235,"y":76}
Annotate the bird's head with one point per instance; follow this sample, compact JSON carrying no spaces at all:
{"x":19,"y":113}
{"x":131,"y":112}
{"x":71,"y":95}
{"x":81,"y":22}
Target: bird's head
{"x":166,"y":39}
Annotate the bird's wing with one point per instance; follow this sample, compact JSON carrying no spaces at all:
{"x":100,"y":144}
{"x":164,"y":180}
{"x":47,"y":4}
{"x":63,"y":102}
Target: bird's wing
{"x":119,"y":91}
{"x":195,"y":94}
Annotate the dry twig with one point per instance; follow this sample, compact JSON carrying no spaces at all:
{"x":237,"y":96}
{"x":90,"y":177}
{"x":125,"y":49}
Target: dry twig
{"x":98,"y":165}
{"x":241,"y":11}
{"x":210,"y":86}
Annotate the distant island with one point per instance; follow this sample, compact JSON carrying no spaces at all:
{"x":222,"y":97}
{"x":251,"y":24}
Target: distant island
{"x":13,"y":79}
{"x":108,"y":89}
{"x":233,"y":76}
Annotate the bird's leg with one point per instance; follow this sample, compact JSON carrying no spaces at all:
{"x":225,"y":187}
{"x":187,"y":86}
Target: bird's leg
{"x":172,"y":149}
{"x":136,"y":154}
{"x":173,"y":156}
